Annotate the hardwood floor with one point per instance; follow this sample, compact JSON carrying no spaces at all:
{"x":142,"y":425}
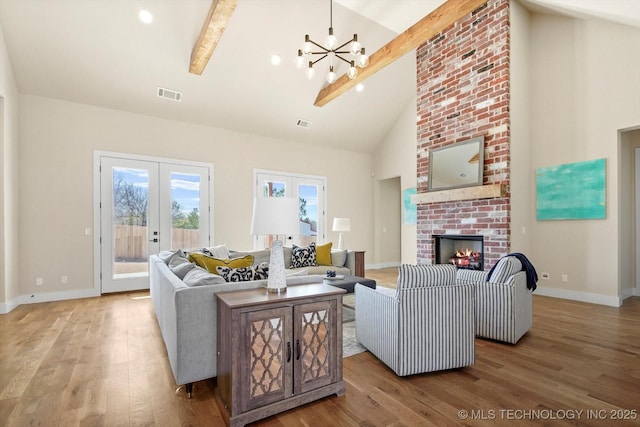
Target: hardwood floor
{"x":101,"y":361}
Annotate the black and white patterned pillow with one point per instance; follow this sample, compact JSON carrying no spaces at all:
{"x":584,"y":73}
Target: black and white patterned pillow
{"x":244,"y":274}
{"x":303,"y":257}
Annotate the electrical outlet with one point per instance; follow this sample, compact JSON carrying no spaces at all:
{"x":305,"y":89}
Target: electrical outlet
{"x":39,"y":281}
{"x":565,"y":278}
{"x":544,"y":276}
{"x":64,"y":280}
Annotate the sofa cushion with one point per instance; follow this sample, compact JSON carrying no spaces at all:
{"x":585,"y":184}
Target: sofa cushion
{"x":219,"y":251}
{"x":338,"y":258}
{"x":303,"y":257}
{"x":259,"y":256}
{"x":244,"y":274}
{"x":198,"y":276}
{"x":323,"y":254}
{"x":420,"y":276}
{"x":182,"y":269}
{"x":506,"y":267}
{"x":178,"y":258}
{"x":167,"y":256}
{"x":210,"y":263}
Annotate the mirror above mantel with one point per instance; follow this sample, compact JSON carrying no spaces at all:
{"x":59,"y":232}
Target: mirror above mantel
{"x":457,"y":165}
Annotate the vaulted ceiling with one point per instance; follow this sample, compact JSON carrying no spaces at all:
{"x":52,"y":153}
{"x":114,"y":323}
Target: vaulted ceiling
{"x":97,"y":52}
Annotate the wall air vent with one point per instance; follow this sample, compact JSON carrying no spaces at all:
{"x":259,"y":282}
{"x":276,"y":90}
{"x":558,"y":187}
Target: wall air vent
{"x":172,"y":95}
{"x":305,"y":124}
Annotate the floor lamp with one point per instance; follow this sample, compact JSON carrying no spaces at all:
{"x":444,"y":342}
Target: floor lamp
{"x":276,"y":215}
{"x":341,"y":224}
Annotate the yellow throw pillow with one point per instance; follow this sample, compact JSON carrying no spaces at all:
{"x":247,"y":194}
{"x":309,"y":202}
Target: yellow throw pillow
{"x":210,"y":263}
{"x":323,"y":254}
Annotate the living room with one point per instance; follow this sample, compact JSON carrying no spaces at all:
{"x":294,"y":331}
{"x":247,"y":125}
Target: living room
{"x":573,"y":98}
{"x":558,"y":137}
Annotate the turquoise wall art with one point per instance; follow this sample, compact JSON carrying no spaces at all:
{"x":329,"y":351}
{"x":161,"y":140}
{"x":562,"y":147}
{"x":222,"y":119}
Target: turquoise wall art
{"x":571,"y":191}
{"x":409,"y":208}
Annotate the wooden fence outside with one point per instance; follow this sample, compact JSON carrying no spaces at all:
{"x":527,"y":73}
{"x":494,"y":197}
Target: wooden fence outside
{"x":131,"y":242}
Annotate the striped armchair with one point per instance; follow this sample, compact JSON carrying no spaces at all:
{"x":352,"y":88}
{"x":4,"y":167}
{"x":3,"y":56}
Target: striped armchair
{"x":504,"y":304}
{"x":426,"y":324}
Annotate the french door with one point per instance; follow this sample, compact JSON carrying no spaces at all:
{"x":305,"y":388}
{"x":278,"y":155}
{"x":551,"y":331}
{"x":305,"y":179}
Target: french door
{"x":310,"y":192}
{"x":147,"y":206}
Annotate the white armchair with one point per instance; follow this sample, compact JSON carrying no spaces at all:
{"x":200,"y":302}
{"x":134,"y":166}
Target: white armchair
{"x":426,"y":324}
{"x":504,"y":304}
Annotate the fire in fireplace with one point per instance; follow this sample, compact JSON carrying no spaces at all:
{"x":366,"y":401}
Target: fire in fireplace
{"x":460,"y":250}
{"x":466,"y":258}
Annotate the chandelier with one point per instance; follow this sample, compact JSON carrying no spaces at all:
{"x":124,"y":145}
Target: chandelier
{"x":305,"y":58}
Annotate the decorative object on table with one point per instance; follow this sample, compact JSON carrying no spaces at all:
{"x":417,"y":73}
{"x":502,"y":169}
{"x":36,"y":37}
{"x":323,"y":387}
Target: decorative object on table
{"x":572,"y":191}
{"x":341,"y":225}
{"x":275,"y":216}
{"x":332,"y":50}
{"x":331,"y":275}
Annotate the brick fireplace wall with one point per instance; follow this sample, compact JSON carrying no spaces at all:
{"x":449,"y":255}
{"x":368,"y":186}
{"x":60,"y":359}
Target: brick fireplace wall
{"x":463,"y":92}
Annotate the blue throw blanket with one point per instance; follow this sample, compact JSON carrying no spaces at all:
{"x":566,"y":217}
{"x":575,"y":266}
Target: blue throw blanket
{"x":529,"y":269}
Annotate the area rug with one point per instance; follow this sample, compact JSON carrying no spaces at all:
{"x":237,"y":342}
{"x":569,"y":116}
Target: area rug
{"x":350,"y":346}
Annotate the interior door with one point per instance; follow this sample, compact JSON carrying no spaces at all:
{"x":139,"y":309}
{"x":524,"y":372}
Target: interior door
{"x":148,"y":206}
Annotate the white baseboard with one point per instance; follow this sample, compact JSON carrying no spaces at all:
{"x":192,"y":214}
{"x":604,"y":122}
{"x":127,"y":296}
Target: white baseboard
{"x":6,"y":307}
{"x":47,"y":297}
{"x":381,"y":265}
{"x":579,"y":296}
{"x":636,"y":292}
{"x":59,"y":296}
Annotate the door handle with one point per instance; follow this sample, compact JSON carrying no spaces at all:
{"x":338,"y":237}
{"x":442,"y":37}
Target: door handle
{"x":297,"y":349}
{"x":288,"y":352}
{"x":154,"y":240}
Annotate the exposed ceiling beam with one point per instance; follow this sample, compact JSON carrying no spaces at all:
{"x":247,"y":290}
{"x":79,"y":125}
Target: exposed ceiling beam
{"x":212,"y":29}
{"x":414,"y":36}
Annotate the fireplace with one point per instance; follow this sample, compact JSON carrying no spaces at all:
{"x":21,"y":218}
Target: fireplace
{"x":462,"y":251}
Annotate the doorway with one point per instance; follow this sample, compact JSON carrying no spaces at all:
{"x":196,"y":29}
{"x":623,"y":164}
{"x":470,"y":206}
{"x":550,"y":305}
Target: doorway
{"x":389,"y":223}
{"x":147,"y":205}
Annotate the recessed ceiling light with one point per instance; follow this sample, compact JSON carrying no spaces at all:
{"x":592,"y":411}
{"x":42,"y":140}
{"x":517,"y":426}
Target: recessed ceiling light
{"x":275,"y":59}
{"x":145,"y":16}
{"x":359,"y":87}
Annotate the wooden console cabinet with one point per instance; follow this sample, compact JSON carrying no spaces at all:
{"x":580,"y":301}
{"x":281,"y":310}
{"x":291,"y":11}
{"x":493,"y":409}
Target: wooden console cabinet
{"x":359,"y":267}
{"x":277,"y":351}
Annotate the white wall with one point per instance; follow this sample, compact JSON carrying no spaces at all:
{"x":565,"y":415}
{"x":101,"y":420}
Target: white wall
{"x":396,"y":157}
{"x":58,"y":140}
{"x":9,"y":289}
{"x":522,"y":175}
{"x":584,"y":89}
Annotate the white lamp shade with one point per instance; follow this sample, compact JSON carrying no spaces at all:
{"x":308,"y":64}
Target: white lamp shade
{"x":275,"y":215}
{"x":341,"y":224}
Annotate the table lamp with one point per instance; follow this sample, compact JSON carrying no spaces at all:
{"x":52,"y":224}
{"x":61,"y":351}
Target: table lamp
{"x":341,"y":224}
{"x":275,"y":216}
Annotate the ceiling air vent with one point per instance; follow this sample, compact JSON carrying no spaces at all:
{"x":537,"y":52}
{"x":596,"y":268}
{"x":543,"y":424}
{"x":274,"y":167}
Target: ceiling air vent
{"x":172,"y":95}
{"x":305,"y":124}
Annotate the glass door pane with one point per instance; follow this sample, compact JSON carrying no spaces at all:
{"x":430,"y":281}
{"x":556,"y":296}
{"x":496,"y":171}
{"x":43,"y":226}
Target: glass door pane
{"x":184,"y":212}
{"x":129,"y":223}
{"x":308,"y":197}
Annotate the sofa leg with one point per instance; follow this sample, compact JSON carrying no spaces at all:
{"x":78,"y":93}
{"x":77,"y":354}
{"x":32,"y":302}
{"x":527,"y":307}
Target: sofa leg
{"x":188,"y":388}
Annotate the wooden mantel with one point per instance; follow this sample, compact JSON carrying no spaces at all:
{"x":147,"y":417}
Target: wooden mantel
{"x":467,"y":193}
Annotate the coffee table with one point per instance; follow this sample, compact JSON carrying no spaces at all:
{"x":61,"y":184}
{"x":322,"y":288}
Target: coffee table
{"x":348,"y":282}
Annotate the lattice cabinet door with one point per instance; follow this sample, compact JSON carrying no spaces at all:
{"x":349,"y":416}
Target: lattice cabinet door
{"x":268,"y":353}
{"x":315,"y":341}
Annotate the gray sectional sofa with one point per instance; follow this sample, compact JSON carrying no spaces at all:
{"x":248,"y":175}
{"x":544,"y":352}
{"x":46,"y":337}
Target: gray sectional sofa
{"x":187,"y":315}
